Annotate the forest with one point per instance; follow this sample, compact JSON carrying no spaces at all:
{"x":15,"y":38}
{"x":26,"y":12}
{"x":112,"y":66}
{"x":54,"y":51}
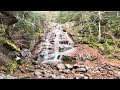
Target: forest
{"x":59,"y":44}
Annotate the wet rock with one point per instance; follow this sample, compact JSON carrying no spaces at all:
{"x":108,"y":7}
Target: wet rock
{"x":79,"y":76}
{"x":69,"y":66}
{"x":60,"y":66}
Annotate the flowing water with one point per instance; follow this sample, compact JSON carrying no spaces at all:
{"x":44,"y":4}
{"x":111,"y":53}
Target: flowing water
{"x":59,"y":41}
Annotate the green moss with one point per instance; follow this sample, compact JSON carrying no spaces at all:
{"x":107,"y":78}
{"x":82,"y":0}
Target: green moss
{"x":12,"y":68}
{"x":110,"y":41}
{"x":98,"y":45}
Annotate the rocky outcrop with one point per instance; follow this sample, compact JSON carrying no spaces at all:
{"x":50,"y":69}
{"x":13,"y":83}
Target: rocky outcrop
{"x":4,"y":61}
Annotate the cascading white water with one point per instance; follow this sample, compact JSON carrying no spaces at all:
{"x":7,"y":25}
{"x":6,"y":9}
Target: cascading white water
{"x":47,"y":50}
{"x":58,"y":31}
{"x":60,"y":43}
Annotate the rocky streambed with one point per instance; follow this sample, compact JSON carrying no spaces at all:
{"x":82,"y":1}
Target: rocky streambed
{"x":68,"y":71}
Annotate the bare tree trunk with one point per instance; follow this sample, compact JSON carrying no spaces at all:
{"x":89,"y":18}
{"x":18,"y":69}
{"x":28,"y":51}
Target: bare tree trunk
{"x":117,"y":13}
{"x":99,"y":23}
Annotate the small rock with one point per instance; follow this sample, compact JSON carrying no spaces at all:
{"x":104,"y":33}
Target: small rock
{"x":35,"y":62}
{"x":90,"y":78}
{"x":111,"y":72}
{"x":87,"y":67}
{"x":60,"y":66}
{"x":37,"y":66}
{"x":53,"y":76}
{"x":37,"y":72}
{"x":76,"y":66}
{"x":60,"y":70}
{"x":82,"y":66}
{"x":62,"y":77}
{"x":2,"y":76}
{"x":77,"y":78}
{"x":97,"y":71}
{"x":47,"y":74}
{"x":26,"y":52}
{"x":102,"y":69}
{"x":93,"y":72}
{"x":86,"y":77}
{"x":80,"y":76}
{"x":82,"y":69}
{"x":73,"y":71}
{"x":117,"y":73}
{"x":39,"y":77}
{"x":66,"y":71}
{"x":69,"y":66}
{"x":10,"y":77}
{"x":51,"y":62}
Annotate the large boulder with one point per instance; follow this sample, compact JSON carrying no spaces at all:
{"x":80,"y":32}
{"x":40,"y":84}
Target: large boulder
{"x":82,"y":52}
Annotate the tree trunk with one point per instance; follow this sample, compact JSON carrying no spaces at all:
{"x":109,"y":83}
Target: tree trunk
{"x":99,"y":23}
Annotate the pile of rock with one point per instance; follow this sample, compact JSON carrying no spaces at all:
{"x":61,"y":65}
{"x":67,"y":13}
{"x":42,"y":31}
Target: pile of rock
{"x":61,"y":71}
{"x":77,"y":71}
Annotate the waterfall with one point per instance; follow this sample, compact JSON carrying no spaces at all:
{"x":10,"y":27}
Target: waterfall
{"x":57,"y":41}
{"x":58,"y":31}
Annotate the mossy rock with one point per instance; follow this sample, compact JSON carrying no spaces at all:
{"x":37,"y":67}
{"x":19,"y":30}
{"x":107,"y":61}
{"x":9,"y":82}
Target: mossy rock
{"x":9,"y":43}
{"x":12,"y":68}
